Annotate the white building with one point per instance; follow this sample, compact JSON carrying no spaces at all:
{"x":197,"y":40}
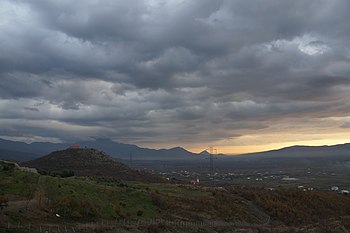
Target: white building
{"x":345,"y":192}
{"x":335,"y":188}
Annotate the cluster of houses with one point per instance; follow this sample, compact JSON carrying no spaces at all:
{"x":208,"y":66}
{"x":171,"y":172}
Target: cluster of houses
{"x":342,"y":191}
{"x":305,"y":188}
{"x":74,"y":146}
{"x":194,"y":181}
{"x":277,"y":176}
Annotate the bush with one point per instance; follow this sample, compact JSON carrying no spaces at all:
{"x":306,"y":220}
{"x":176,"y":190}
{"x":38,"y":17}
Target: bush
{"x":139,"y":213}
{"x":3,"y":202}
{"x":71,"y":207}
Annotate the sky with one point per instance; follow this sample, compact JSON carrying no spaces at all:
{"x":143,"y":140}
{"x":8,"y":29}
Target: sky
{"x":238,"y":75}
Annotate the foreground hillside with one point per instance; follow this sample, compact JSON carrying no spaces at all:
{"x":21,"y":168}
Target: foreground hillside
{"x":87,"y":162}
{"x":82,"y":204}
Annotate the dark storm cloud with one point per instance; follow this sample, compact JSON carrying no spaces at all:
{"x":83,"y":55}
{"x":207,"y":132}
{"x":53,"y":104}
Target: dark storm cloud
{"x":158,"y":71}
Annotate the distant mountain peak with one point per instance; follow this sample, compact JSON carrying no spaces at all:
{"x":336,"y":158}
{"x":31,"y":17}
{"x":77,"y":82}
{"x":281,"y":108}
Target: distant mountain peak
{"x":103,"y":140}
{"x":204,"y":152}
{"x":178,"y":148}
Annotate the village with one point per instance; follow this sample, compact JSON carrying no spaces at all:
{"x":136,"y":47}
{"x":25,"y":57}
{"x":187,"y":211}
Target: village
{"x":268,"y":179}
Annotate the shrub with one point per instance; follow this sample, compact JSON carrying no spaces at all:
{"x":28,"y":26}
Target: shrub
{"x":139,"y":213}
{"x":3,"y":202}
{"x":71,"y":207}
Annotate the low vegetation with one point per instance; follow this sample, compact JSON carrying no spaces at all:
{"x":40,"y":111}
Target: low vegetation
{"x":86,"y":199}
{"x":296,"y":206}
{"x":30,"y":197}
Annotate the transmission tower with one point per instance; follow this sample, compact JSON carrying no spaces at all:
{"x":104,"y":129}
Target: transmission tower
{"x":211,"y":160}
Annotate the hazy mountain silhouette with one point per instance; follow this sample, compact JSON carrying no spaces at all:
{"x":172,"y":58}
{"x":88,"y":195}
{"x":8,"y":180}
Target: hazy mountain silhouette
{"x":115,"y":149}
{"x":204,"y":152}
{"x":123,"y":151}
{"x":340,"y":150}
{"x":22,"y":151}
{"x":15,"y":155}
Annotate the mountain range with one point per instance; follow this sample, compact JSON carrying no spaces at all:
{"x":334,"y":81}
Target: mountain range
{"x":13,"y":150}
{"x":339,"y":150}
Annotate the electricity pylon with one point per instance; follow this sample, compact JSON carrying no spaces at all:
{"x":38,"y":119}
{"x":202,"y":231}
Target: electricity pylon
{"x":211,"y":160}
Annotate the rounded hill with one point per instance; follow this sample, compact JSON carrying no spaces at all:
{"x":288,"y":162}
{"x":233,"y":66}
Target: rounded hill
{"x":88,"y":162}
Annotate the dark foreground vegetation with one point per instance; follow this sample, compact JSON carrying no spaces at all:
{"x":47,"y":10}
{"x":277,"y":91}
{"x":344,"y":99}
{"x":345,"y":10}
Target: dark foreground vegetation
{"x":37,"y":203}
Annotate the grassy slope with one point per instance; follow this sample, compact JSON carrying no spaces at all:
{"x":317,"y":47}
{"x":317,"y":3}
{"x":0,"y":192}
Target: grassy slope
{"x":85,"y":199}
{"x":79,"y":199}
{"x":295,"y":206}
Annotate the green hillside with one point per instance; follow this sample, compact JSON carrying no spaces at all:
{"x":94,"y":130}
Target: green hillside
{"x":86,"y":199}
{"x":31,"y":199}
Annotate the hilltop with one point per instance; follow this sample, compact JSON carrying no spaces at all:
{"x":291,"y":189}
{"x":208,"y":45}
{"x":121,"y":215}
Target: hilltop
{"x":87,"y":162}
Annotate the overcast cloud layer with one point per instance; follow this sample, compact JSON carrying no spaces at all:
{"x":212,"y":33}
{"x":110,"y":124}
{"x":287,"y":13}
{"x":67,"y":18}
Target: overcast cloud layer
{"x":171,"y":72}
